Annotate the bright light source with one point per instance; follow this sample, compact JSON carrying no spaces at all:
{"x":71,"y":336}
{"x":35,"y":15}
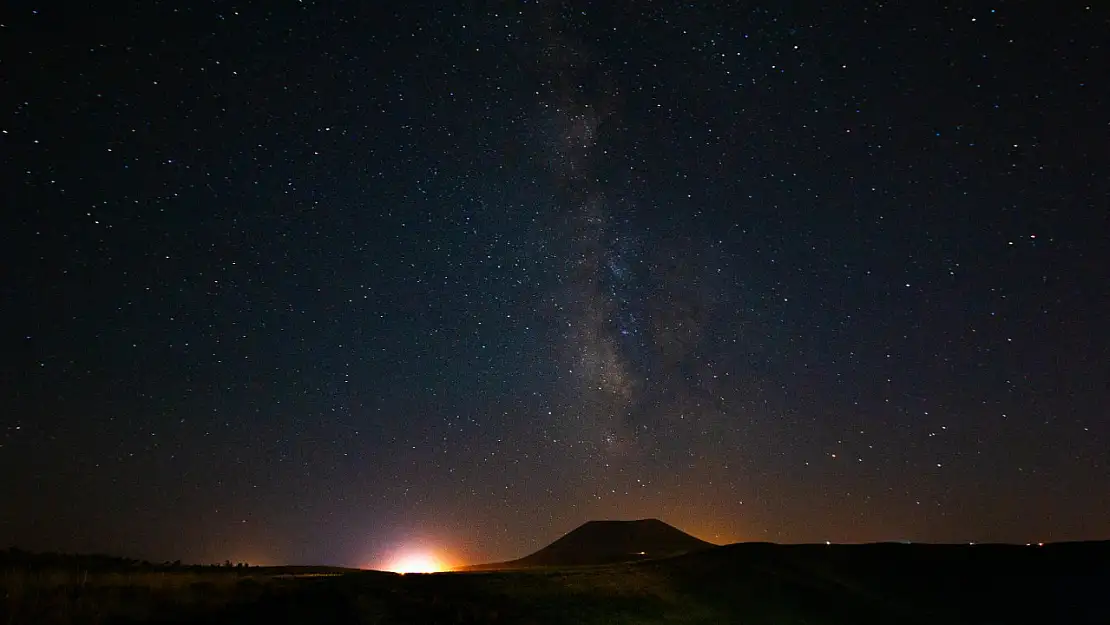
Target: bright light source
{"x":417,"y":563}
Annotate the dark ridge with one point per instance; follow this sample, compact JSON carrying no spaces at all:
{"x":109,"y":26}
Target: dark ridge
{"x":608,"y":542}
{"x":15,"y":559}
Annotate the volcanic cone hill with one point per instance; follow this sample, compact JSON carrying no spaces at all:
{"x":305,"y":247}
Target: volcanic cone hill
{"x":607,"y":542}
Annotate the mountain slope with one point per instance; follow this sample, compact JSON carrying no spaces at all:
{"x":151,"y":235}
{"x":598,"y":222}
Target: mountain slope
{"x":606,"y":542}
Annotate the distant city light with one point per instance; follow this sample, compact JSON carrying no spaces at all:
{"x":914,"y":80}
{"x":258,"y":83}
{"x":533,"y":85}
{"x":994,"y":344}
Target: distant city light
{"x":421,"y":562}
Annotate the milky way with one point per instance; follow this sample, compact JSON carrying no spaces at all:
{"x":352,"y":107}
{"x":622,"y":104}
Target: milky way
{"x":314,"y":283}
{"x":634,"y":299}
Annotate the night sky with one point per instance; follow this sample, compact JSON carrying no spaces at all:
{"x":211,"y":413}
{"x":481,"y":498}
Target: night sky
{"x":315,"y":282}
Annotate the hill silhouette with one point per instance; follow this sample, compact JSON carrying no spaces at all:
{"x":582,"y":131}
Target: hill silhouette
{"x":608,"y":542}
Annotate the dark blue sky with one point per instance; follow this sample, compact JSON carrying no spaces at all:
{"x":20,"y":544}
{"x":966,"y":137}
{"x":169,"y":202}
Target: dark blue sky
{"x":312,"y":282}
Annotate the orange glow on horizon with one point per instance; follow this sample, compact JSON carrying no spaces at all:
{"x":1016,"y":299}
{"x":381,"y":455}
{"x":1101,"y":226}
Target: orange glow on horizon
{"x":417,"y":562}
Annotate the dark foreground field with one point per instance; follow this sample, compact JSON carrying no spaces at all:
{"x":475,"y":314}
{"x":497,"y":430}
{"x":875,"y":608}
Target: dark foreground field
{"x":744,"y":583}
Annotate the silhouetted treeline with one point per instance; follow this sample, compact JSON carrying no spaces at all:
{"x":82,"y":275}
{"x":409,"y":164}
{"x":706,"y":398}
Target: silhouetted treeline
{"x":14,"y":557}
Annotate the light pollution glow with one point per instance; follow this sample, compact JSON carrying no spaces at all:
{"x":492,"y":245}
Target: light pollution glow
{"x":417,"y":562}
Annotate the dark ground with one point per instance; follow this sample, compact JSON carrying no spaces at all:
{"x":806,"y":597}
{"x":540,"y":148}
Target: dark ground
{"x":743,"y":583}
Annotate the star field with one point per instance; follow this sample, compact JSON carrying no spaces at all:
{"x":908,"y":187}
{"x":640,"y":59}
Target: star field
{"x":306,"y":281}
